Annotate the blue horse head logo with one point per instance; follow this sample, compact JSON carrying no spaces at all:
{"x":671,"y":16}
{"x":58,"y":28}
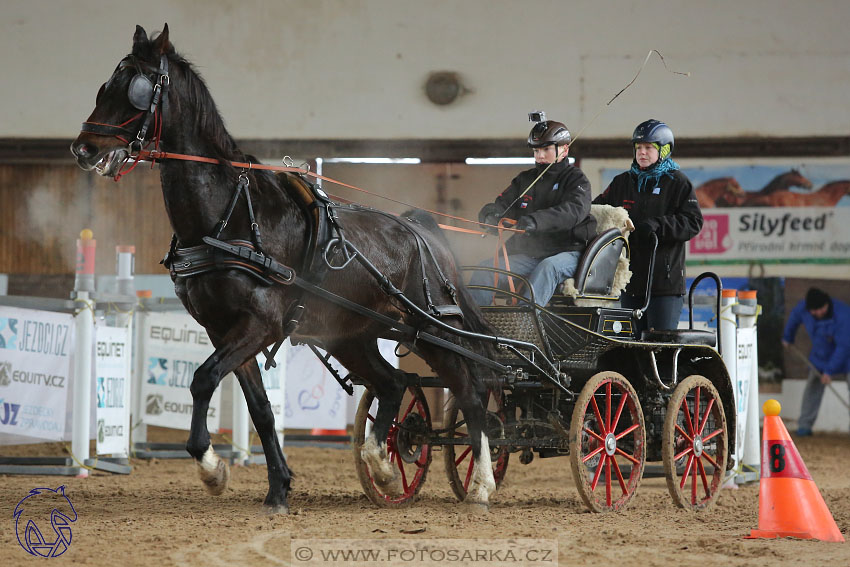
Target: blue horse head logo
{"x":38,"y":504}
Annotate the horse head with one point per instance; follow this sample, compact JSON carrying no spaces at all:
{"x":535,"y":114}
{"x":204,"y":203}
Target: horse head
{"x":128,"y":108}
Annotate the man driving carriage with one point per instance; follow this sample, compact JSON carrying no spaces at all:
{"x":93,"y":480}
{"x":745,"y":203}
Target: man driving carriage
{"x":551,"y":203}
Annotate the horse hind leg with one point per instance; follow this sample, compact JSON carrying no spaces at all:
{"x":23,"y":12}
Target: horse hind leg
{"x":388,"y":384}
{"x":470,"y":393}
{"x":260,"y":409}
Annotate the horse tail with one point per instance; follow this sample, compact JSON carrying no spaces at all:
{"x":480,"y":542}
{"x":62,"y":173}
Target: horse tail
{"x":473,"y":318}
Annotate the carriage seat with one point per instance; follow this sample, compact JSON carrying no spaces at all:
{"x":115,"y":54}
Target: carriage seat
{"x":603,"y":269}
{"x":681,"y":336}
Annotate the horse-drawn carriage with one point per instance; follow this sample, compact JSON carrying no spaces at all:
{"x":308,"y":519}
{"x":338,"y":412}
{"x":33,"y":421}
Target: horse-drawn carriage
{"x":568,"y":379}
{"x":606,"y":398}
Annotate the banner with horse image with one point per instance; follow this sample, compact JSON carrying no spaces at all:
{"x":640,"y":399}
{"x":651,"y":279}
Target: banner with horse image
{"x":313,"y":397}
{"x":764,"y":213}
{"x":36,"y":351}
{"x":112,"y":383}
{"x":172,"y":347}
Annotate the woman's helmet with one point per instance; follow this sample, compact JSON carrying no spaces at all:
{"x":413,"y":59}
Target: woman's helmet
{"x":548,"y":132}
{"x":654,"y":132}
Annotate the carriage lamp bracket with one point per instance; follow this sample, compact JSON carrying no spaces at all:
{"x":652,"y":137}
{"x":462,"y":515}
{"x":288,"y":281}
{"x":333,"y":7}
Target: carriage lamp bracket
{"x":675,"y":372}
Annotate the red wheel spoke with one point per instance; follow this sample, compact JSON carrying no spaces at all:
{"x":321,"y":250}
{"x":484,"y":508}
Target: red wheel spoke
{"x":687,"y":471}
{"x":714,"y":433}
{"x":696,"y":407}
{"x":598,"y":415}
{"x":623,"y":400}
{"x":403,"y":474}
{"x":629,"y":457}
{"x":684,"y":433}
{"x":463,"y":455}
{"x":599,"y":468}
{"x":591,"y":454}
{"x":608,"y":479}
{"x":469,"y":470}
{"x":683,"y":453}
{"x":627,"y":431}
{"x":711,"y":460}
{"x":608,"y":411}
{"x":694,"y":482}
{"x":704,"y":479}
{"x":688,"y":421}
{"x":620,"y":477}
{"x":594,"y":435}
{"x":706,"y":415}
{"x":409,"y":408}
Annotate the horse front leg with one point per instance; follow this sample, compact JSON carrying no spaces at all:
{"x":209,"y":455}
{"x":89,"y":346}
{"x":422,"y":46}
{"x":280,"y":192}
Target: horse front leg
{"x":238,"y":346}
{"x":261,"y":413}
{"x":214,"y":473}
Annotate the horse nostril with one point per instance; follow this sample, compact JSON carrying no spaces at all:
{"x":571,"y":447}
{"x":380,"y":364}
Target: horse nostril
{"x":83,"y":150}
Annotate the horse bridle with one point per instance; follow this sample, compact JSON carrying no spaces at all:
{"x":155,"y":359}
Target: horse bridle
{"x":146,"y":92}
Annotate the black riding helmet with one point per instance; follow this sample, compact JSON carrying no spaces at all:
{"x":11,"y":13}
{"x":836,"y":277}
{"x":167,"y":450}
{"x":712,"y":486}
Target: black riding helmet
{"x":548,"y":132}
{"x":655,"y":132}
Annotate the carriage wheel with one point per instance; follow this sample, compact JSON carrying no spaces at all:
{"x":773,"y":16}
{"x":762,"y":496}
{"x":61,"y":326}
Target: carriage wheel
{"x":607,"y":442}
{"x":409,"y":457}
{"x":458,"y":458}
{"x":694,"y":443}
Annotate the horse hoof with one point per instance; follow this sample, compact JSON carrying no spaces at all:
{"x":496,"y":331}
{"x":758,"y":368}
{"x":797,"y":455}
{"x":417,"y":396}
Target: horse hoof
{"x":392,"y":487}
{"x":214,"y":473}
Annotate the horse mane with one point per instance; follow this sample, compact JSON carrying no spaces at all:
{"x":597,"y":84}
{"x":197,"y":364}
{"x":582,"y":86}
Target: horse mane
{"x":209,"y":124}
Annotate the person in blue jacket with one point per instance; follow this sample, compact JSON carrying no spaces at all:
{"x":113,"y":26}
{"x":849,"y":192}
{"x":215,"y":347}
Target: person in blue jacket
{"x":827,"y":321}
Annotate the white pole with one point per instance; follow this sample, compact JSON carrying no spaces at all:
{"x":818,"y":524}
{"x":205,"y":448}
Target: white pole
{"x":728,"y":348}
{"x":138,"y":429}
{"x":241,"y":437}
{"x":83,"y":351}
{"x":752,"y":441}
{"x":81,"y":414}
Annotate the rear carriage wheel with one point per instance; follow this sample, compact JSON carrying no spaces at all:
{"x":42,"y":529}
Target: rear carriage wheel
{"x":410,"y":458}
{"x":458,"y":458}
{"x":607,"y":442}
{"x":694,"y":444}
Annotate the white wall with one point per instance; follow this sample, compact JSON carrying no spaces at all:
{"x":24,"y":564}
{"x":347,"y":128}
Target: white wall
{"x":356,"y":69}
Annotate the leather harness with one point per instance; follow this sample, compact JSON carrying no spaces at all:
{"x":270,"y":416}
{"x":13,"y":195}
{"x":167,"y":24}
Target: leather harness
{"x":325,"y":240}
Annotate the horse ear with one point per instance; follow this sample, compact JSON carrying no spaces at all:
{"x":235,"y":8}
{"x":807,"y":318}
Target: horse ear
{"x":161,"y":44}
{"x":140,"y":36}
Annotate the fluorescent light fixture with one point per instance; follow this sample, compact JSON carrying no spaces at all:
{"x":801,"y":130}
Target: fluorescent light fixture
{"x":505,"y":161}
{"x":408,"y":161}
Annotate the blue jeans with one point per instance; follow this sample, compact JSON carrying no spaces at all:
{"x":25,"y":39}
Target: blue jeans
{"x":544,"y":275}
{"x":662,"y":314}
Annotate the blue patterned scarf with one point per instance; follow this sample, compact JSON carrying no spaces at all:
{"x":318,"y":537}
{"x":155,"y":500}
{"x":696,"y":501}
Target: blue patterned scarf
{"x":654,"y":172}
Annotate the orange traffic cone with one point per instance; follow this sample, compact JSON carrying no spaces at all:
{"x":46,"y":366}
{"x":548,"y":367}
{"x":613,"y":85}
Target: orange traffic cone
{"x":790,"y":504}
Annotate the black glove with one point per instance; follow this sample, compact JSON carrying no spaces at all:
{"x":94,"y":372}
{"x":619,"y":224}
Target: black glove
{"x":645,"y":228}
{"x":527,"y":223}
{"x":490,"y":214}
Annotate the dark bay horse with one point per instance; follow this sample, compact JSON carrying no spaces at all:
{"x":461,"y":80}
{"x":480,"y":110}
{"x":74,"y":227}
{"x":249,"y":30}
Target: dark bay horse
{"x":155,"y":95}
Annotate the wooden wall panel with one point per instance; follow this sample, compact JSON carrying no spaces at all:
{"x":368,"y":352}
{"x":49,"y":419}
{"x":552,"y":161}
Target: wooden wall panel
{"x":44,"y":207}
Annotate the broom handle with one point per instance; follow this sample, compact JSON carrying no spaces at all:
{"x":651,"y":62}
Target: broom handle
{"x":817,"y":372}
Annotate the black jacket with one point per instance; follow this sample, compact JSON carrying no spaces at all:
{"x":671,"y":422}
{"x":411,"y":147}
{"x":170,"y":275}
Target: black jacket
{"x":671,"y":207}
{"x":559,"y":203}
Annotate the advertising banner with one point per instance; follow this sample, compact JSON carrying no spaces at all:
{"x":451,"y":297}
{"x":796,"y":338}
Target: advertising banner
{"x":313,"y":397}
{"x":795,"y":213}
{"x":112,"y":385}
{"x":173,"y":346}
{"x":35,"y":372}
